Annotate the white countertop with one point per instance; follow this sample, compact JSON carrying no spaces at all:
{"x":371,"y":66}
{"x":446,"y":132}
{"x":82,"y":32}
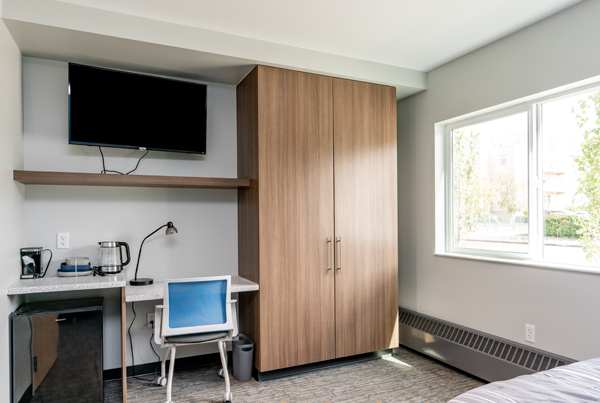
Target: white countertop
{"x":132,"y":293}
{"x":58,"y":284}
{"x":155,"y":291}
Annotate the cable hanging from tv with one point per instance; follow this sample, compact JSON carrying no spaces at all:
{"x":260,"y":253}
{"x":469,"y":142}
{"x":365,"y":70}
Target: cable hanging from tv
{"x":105,"y":171}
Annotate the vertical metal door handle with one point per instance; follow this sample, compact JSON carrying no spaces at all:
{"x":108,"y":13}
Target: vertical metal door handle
{"x":338,"y":242}
{"x":330,"y":253}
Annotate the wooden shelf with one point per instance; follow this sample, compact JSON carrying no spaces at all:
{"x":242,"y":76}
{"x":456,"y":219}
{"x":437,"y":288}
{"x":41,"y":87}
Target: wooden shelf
{"x":85,"y":179}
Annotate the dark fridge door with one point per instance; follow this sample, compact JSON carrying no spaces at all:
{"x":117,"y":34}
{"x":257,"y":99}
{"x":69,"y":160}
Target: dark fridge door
{"x":57,"y":353}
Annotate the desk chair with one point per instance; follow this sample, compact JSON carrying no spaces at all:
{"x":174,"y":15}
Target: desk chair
{"x":195,"y":311}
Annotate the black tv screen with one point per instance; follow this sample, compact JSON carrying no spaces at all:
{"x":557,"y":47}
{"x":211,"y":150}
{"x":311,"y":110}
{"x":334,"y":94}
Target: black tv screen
{"x":111,"y":108}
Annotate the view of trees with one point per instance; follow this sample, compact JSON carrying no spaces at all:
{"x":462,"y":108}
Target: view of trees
{"x":507,"y":193}
{"x":472,"y":198}
{"x":588,"y":119}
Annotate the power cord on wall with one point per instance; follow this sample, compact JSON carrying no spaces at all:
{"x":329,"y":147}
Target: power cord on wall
{"x":104,"y":170}
{"x":131,"y":346}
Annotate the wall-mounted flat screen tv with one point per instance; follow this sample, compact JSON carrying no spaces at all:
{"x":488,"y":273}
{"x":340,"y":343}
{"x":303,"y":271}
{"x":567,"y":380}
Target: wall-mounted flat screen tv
{"x":110,"y":108}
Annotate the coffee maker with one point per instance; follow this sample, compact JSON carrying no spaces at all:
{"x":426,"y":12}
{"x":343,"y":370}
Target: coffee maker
{"x":31,"y":262}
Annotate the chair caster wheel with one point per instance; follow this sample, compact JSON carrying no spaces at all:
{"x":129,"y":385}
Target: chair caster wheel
{"x":161,"y":381}
{"x":228,"y":398}
{"x":221,"y":373}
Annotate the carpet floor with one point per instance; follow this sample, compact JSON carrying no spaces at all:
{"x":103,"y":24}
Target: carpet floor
{"x":404,"y":377}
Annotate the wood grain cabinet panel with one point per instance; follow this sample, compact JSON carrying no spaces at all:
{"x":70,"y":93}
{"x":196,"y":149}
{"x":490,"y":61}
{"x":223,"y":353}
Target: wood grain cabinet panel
{"x":321,"y":157}
{"x":366,"y":221}
{"x":286,"y":215}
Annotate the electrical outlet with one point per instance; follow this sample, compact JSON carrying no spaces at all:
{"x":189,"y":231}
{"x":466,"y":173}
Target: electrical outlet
{"x":149,"y":319}
{"x":530,"y":333}
{"x":62,"y":240}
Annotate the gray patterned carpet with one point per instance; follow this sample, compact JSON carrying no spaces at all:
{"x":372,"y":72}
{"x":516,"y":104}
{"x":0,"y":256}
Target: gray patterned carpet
{"x":406,"y":377}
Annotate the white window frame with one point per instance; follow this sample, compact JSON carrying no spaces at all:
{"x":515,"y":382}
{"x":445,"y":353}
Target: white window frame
{"x":448,"y":164}
{"x":444,"y":223}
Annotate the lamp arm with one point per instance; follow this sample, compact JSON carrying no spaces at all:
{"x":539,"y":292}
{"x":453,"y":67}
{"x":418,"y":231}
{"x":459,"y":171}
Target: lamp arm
{"x":142,"y":244}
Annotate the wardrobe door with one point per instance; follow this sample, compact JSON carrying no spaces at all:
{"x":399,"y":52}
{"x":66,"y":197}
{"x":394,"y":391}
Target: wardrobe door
{"x":295,"y":147}
{"x":366,"y":276}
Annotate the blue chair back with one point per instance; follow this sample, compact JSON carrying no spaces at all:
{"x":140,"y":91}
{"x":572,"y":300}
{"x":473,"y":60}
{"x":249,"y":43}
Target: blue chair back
{"x":197,"y":305}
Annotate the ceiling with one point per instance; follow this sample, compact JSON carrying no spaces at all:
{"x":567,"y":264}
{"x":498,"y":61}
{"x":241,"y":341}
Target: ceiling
{"x":390,"y":42}
{"x":415,"y":34}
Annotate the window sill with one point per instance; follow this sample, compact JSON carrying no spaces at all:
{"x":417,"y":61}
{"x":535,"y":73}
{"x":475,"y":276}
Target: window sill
{"x":527,"y":263}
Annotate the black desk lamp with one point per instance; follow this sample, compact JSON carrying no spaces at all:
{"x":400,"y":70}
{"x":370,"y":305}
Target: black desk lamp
{"x":147,"y":281}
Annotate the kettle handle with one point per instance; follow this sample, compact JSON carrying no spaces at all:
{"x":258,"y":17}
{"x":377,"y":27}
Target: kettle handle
{"x":126,"y":251}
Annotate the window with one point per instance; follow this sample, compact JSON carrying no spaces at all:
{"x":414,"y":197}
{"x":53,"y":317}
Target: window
{"x":524,"y":182}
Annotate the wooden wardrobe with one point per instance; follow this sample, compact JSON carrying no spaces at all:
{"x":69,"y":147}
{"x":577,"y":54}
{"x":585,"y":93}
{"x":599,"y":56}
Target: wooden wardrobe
{"x":318,"y":224}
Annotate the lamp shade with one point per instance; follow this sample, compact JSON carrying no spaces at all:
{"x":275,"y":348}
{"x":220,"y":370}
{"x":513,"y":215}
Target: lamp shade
{"x":171,"y":229}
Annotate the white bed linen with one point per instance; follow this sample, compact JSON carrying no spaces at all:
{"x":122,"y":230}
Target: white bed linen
{"x":578,"y":382}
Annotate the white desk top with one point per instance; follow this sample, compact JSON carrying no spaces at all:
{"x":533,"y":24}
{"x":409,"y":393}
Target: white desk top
{"x":155,"y":291}
{"x":58,"y":284}
{"x":137,"y":293}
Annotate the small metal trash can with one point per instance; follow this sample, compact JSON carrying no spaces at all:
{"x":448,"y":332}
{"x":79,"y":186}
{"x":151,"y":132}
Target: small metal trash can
{"x":243,"y":351}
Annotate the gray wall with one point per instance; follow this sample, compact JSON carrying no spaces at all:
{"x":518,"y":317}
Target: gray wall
{"x":494,"y":297}
{"x":206,"y":219}
{"x":11,"y":194}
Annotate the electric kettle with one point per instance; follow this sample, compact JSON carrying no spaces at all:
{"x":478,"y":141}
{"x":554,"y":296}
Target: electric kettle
{"x":110,"y":260}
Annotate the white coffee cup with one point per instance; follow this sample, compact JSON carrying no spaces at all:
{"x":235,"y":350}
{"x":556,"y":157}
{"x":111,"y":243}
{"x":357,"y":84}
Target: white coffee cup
{"x":79,"y":261}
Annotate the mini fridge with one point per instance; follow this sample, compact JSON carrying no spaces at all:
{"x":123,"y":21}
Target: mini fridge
{"x":56,"y":351}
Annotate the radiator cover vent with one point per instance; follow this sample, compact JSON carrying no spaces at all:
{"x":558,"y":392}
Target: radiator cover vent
{"x":527,"y":359}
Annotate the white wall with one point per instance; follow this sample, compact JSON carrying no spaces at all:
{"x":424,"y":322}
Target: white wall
{"x":491,"y":297}
{"x":206,"y":219}
{"x":11,"y":194}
